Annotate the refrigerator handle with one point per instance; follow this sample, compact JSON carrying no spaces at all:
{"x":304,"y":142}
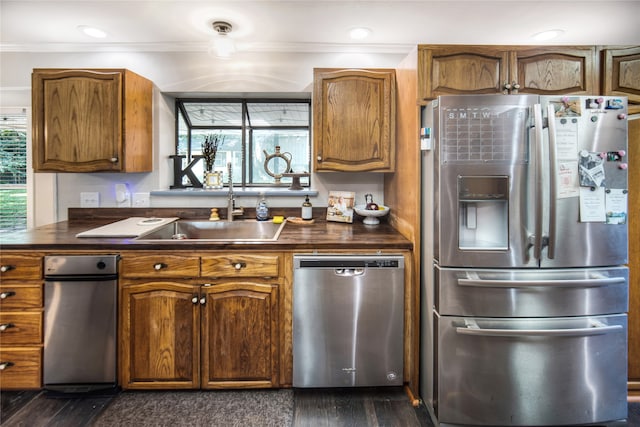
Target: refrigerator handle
{"x":592,"y":282}
{"x":596,"y":328}
{"x":553,"y":184}
{"x":539,"y":153}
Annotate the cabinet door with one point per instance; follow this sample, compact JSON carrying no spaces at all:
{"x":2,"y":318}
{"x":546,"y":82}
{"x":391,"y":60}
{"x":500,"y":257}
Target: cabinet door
{"x":160,"y":335}
{"x":621,"y":73}
{"x":354,"y":120}
{"x":554,"y":70}
{"x":240,"y":336}
{"x":453,"y":70}
{"x":77,"y":120}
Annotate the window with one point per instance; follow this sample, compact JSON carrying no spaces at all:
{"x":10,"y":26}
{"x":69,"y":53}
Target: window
{"x":249,"y":131}
{"x":13,"y":171}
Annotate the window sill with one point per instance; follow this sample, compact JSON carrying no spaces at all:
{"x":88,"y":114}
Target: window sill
{"x":237,"y":192}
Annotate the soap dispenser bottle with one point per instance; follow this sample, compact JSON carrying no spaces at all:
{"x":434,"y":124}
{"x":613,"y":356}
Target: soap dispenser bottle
{"x":262,"y":209}
{"x":307,"y":209}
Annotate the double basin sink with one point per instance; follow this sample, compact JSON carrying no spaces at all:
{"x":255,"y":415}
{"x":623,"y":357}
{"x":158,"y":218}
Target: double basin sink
{"x":216,"y":231}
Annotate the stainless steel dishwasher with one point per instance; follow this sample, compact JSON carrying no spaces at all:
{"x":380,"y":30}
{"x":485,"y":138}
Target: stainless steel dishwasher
{"x":348,"y":320}
{"x":80,"y":306}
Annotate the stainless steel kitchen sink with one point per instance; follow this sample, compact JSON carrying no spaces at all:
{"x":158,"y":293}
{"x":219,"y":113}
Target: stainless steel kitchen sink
{"x":216,"y":231}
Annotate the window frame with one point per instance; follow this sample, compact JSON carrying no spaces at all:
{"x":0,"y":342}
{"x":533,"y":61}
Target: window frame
{"x":246,"y":132}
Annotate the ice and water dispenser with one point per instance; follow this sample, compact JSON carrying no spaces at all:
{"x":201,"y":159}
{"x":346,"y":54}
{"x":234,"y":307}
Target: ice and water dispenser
{"x":483,"y":212}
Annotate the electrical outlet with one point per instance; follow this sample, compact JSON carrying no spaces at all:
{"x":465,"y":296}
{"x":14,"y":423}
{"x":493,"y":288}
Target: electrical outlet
{"x":141,"y":200}
{"x":89,"y":200}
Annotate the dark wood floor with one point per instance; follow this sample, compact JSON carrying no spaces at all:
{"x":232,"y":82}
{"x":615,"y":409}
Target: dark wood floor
{"x":312,"y":408}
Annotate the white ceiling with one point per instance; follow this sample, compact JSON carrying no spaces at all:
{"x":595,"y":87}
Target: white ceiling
{"x":309,"y":26}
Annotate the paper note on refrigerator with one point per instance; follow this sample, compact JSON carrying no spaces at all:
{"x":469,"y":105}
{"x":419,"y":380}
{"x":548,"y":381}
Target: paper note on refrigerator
{"x":616,"y":206}
{"x":568,"y":179}
{"x":592,"y":204}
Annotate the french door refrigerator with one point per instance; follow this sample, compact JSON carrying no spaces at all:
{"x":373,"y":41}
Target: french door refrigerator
{"x":524,"y":223}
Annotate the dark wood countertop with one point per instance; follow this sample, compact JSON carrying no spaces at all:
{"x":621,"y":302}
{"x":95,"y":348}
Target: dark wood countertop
{"x":321,"y":235}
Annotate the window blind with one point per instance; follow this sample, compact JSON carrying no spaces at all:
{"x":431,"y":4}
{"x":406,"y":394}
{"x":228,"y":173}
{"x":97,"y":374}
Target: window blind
{"x":13,"y":171}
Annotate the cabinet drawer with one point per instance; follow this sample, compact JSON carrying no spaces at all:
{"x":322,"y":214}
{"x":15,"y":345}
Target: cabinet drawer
{"x":14,"y":266}
{"x":20,"y":296}
{"x":18,"y":328}
{"x":240,"y":265}
{"x":20,"y":368}
{"x":160,"y":266}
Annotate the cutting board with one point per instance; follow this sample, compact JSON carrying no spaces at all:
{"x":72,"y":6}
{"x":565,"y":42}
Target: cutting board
{"x":130,"y":227}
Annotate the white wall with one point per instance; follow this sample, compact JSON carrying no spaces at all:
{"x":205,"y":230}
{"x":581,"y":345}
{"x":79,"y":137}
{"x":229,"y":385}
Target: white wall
{"x":180,"y":72}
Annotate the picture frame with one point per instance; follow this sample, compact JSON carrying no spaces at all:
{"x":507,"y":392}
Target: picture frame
{"x":340,"y":206}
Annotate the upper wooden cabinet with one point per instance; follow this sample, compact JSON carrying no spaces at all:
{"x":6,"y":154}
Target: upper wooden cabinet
{"x":544,"y":70}
{"x":91,"y":120}
{"x":621,"y":72}
{"x":354,"y":120}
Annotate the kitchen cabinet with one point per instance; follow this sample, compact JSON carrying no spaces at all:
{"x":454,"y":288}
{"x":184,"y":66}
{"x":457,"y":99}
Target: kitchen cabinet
{"x":621,"y":73}
{"x":634,"y":257}
{"x":21,"y":317}
{"x":91,"y":120}
{"x":159,"y":337}
{"x":207,"y":321}
{"x":354,"y":118}
{"x":240,"y":335}
{"x":543,"y":70}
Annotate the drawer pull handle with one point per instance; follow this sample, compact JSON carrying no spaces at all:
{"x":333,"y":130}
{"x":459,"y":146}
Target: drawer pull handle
{"x":6,"y":326}
{"x":239,"y":265}
{"x":6,"y":295}
{"x":5,"y":365}
{"x":159,"y":266}
{"x":194,"y":299}
{"x":6,"y":268}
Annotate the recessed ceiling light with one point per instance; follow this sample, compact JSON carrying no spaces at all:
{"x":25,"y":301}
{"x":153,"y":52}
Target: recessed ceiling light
{"x":359,"y":33}
{"x":547,"y":35}
{"x":96,"y":33}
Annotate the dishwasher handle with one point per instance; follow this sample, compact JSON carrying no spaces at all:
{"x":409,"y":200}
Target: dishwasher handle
{"x":349,"y":272}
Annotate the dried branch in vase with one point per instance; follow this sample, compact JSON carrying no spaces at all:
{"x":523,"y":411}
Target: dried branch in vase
{"x":210,"y":149}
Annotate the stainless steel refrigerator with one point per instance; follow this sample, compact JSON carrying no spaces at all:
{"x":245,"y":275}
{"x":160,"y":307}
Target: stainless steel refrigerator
{"x":524,"y":243}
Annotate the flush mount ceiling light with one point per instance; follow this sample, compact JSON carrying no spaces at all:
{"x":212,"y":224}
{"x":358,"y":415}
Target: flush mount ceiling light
{"x":547,"y":35}
{"x":223,"y":45}
{"x":359,"y":33}
{"x":96,"y":33}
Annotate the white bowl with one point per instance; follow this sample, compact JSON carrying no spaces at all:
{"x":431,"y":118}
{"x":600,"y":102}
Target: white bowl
{"x":371,"y":216}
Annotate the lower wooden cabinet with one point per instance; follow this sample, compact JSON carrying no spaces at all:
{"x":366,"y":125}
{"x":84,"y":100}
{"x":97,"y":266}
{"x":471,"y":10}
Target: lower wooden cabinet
{"x":21,"y":316}
{"x":216,"y":327}
{"x":160,"y":335}
{"x":240,"y":335}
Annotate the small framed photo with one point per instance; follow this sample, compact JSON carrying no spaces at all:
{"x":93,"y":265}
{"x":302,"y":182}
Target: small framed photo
{"x":340,"y":207}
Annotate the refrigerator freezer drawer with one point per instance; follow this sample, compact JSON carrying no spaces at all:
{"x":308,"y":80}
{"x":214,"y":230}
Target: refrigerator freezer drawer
{"x":542,"y":372}
{"x":526,"y":293}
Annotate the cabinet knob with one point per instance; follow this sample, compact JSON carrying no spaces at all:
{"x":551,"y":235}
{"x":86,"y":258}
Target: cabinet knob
{"x":203,"y":300}
{"x":515,"y":87}
{"x":5,"y":326}
{"x":319,"y":158}
{"x":6,"y":268}
{"x":159,"y":266}
{"x":194,"y":299}
{"x":5,"y":295}
{"x":5,"y":365}
{"x":113,"y":160}
{"x":239,"y":265}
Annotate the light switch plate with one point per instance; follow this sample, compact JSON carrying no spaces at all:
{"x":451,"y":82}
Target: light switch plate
{"x":89,"y":200}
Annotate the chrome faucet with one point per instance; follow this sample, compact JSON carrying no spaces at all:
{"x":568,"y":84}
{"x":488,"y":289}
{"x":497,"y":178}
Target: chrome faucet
{"x":231,"y":202}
